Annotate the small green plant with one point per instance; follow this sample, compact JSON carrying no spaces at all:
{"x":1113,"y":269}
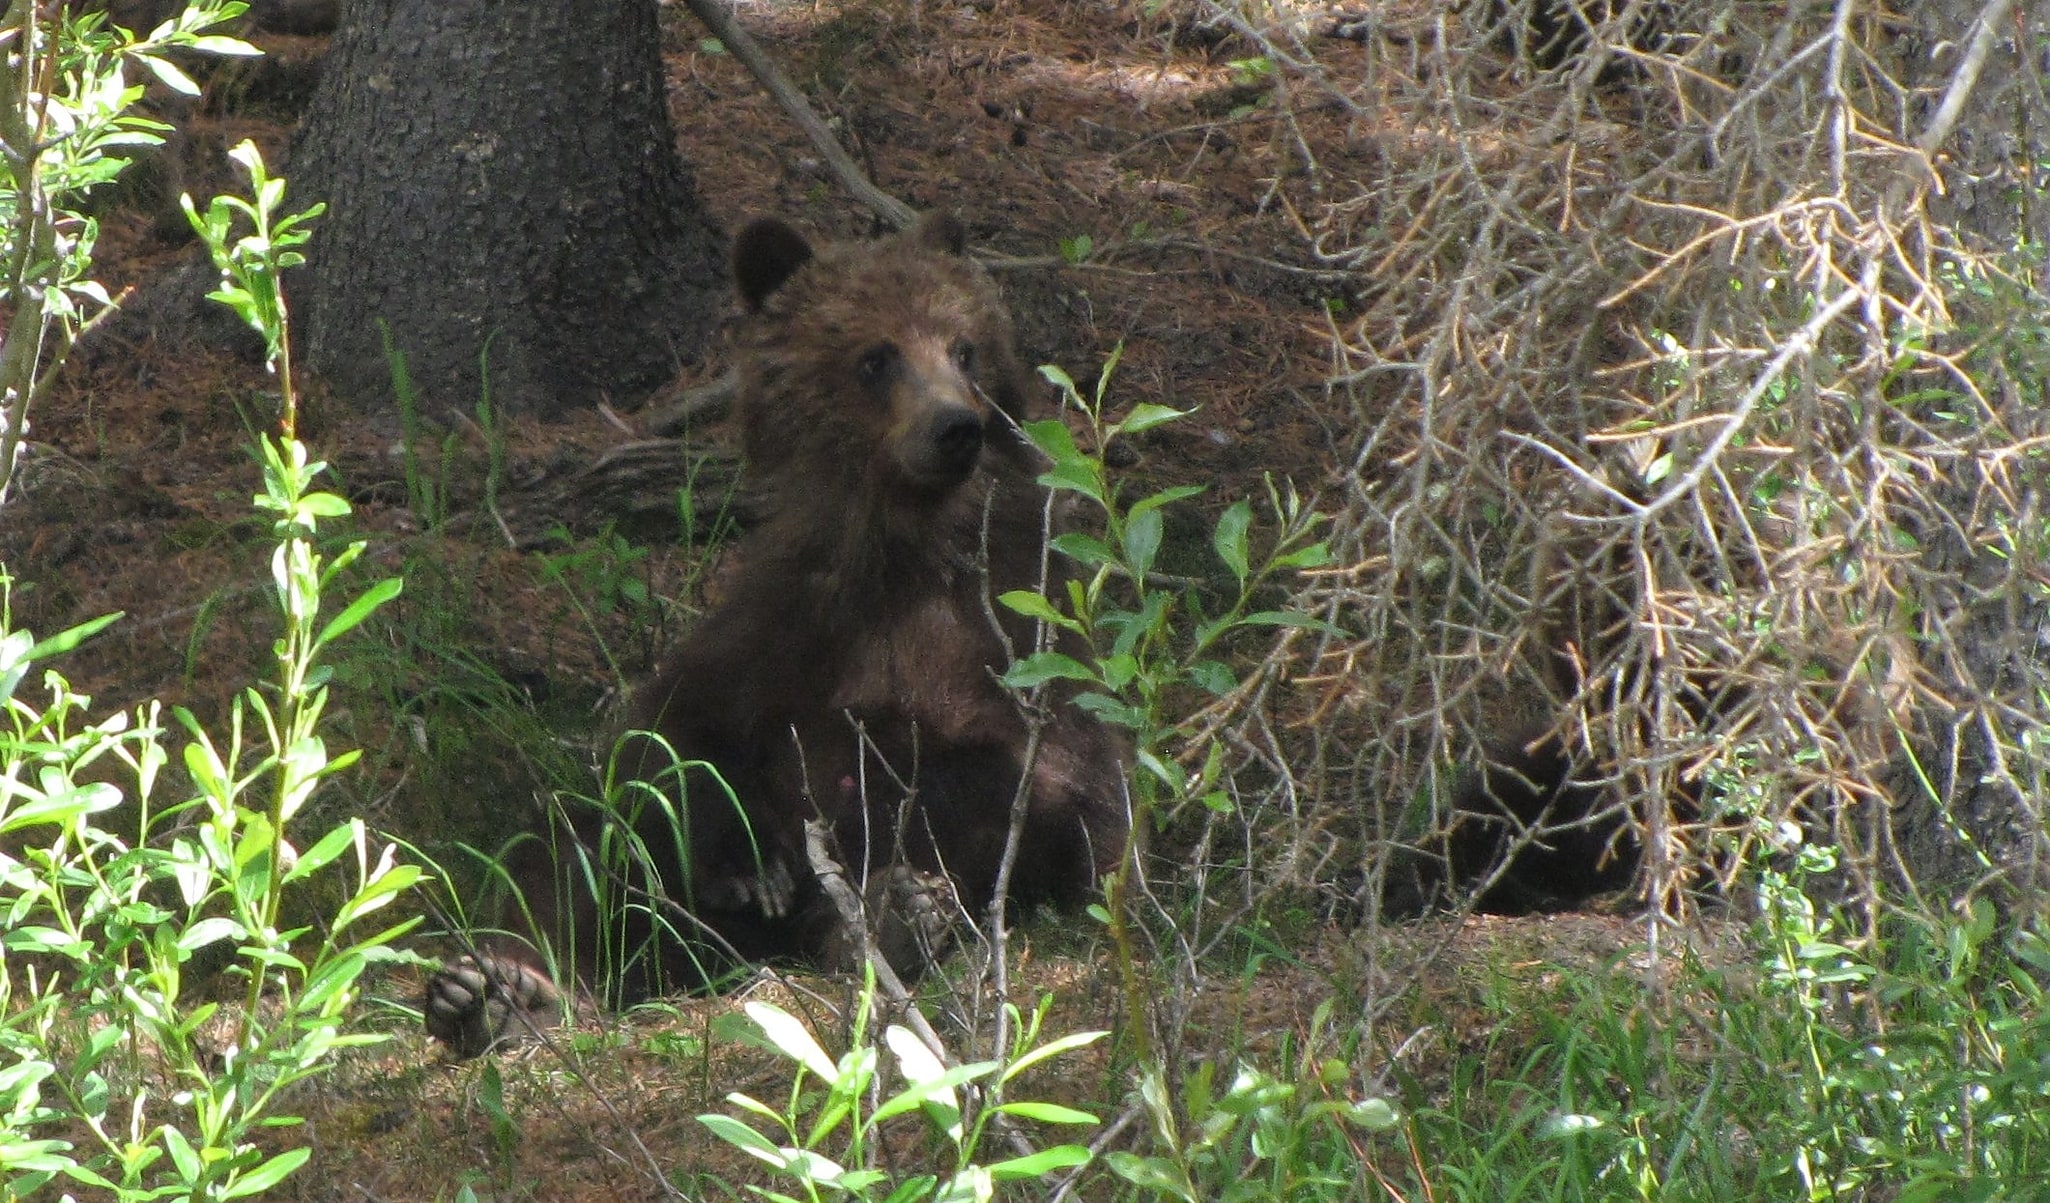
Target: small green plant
{"x":828,"y":1135}
{"x":604,"y":576}
{"x":1150,"y":637}
{"x":430,"y":487}
{"x":1076,"y":251}
{"x":67,"y":118}
{"x":1150,"y":640}
{"x":1261,"y":1137}
{"x":505,"y":1130}
{"x":427,"y":485}
{"x":1249,"y":71}
{"x":110,"y":896}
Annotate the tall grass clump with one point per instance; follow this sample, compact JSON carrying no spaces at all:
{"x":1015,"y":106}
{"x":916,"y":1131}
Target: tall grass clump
{"x":1787,"y":1064}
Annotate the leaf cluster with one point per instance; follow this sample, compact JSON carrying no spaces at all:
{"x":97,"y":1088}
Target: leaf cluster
{"x":1149,"y":636}
{"x":826,"y":1142}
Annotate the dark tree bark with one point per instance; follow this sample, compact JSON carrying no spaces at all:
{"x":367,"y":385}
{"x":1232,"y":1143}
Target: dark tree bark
{"x":503,"y":186}
{"x":1992,"y":186}
{"x":1973,"y":812}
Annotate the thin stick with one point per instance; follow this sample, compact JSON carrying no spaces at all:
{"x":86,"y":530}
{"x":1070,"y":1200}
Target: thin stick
{"x":742,"y":44}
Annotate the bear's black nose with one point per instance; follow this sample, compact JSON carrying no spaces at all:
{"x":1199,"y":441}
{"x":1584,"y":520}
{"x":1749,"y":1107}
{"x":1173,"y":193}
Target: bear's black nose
{"x":957,"y":440}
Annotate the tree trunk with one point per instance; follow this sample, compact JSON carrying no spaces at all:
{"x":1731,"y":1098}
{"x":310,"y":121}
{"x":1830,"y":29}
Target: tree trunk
{"x":1971,"y":812}
{"x":1991,"y":187}
{"x":503,"y":188}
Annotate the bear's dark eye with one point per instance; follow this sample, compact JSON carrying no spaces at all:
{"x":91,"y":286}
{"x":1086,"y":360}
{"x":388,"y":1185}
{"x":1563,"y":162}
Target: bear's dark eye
{"x":875,"y":363}
{"x":964,"y":356}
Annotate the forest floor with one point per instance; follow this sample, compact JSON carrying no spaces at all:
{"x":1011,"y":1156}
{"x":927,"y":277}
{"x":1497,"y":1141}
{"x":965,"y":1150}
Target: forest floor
{"x":1130,"y":183}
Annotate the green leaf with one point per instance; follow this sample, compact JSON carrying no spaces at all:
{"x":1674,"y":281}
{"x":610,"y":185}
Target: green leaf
{"x":64,"y":641}
{"x":1075,"y":476}
{"x":788,"y":1034}
{"x":170,"y":75}
{"x":1145,"y":416}
{"x":1154,"y":1174}
{"x":1087,"y":550}
{"x":1230,"y":538}
{"x":1041,"y":667}
{"x":913,"y":1190}
{"x":183,"y":1155}
{"x":939,"y":1087}
{"x":747,"y":1103}
{"x":1142,"y":542}
{"x":215,"y":44}
{"x":1058,"y":376}
{"x":1032,"y":605}
{"x":1048,"y":1113}
{"x":317,"y":857}
{"x":743,"y":1137}
{"x":58,"y":801}
{"x":14,"y":661}
{"x":34,"y":938}
{"x":1052,"y":1048}
{"x":914,"y":1060}
{"x":1165,"y":497}
{"x":360,"y":609}
{"x":388,"y":882}
{"x":323,"y":505}
{"x":1316,"y":555}
{"x":1284,"y":618}
{"x":1111,"y":710}
{"x":271,"y":1172}
{"x":1046,"y":1161}
{"x":1375,"y":1115}
{"x":246,"y":153}
{"x":1109,"y":369}
{"x":1166,"y":773}
{"x":1052,"y":436}
{"x":209,"y":931}
{"x":331,"y":977}
{"x":1213,"y":677}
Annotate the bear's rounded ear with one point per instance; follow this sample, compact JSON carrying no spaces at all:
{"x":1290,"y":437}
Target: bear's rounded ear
{"x":766,"y":254}
{"x":941,"y":232}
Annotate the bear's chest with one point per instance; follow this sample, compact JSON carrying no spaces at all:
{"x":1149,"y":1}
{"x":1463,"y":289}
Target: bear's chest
{"x":934,"y":663}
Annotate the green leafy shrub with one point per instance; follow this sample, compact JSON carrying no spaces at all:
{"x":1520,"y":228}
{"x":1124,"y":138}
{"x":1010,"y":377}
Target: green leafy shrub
{"x":1151,"y":641}
{"x":829,"y":1144}
{"x":1258,"y":1136}
{"x":67,"y":113}
{"x":114,"y":1073}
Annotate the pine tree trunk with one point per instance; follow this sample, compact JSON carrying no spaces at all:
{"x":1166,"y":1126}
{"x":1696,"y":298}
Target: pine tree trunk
{"x":503,"y":188}
{"x":1991,"y":186}
{"x":1972,"y":811}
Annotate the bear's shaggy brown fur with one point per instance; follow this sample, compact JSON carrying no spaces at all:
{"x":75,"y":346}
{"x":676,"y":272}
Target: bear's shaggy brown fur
{"x":849,"y":672}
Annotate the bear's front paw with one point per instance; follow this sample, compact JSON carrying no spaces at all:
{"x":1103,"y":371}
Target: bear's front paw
{"x":915,"y":916}
{"x":474,"y":1003}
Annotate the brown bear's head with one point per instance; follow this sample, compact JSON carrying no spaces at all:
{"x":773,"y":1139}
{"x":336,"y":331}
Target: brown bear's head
{"x":890,"y":359}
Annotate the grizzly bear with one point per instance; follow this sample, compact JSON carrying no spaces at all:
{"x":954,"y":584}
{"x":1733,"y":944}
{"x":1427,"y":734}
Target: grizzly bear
{"x":849,"y":672}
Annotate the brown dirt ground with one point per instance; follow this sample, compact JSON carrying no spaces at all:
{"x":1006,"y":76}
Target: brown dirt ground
{"x":1037,"y":121}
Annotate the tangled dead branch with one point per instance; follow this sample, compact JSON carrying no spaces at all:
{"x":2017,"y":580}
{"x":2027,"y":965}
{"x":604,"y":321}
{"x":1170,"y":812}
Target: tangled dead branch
{"x":1689,"y":451}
